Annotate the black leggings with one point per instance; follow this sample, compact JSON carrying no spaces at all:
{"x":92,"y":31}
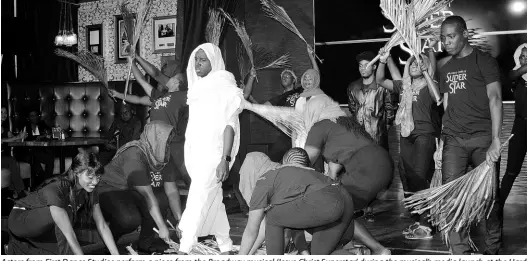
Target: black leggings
{"x":34,"y":232}
{"x":126,"y":210}
{"x":325,"y":213}
{"x":516,"y":157}
{"x":176,"y":165}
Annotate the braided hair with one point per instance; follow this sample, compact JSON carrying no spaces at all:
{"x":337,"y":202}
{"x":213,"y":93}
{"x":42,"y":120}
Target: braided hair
{"x":296,"y":156}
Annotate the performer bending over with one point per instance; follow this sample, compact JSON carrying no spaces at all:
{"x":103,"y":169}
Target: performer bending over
{"x":211,"y":144}
{"x":368,"y":166}
{"x":42,"y":223}
{"x":418,"y":129}
{"x":136,"y":191}
{"x":323,"y":207}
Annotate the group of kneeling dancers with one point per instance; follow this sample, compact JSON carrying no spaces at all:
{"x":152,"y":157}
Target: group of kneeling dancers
{"x":139,"y":184}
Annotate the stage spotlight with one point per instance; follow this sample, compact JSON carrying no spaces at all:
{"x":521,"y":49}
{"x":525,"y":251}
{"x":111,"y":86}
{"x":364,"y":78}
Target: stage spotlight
{"x":518,"y":7}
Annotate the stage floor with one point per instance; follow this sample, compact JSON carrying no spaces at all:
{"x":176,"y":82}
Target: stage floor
{"x":387,"y":229}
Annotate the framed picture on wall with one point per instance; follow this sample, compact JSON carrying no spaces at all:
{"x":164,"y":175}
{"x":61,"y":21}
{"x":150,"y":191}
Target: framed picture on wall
{"x":164,"y":30}
{"x":94,"y":39}
{"x":121,"y":42}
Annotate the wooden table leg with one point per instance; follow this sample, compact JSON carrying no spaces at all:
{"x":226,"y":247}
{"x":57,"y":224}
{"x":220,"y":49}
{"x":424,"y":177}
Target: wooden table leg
{"x":61,"y":161}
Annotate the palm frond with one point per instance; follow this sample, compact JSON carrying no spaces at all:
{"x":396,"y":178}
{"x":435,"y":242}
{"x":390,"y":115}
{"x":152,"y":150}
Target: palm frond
{"x":480,"y":42}
{"x":240,"y":30}
{"x":460,"y":203}
{"x":266,"y":60}
{"x":134,"y":29}
{"x":277,"y":13}
{"x":91,"y":62}
{"x":243,"y":66}
{"x":215,"y":27}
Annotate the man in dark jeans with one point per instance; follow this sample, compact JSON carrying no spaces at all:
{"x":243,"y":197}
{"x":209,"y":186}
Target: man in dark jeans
{"x":472,"y":121}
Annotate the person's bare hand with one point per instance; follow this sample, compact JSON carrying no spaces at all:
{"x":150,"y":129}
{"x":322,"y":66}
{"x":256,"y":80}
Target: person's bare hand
{"x":164,"y":233}
{"x":383,"y":55}
{"x":494,"y":151}
{"x":222,"y":171}
{"x":422,"y":66}
{"x":253,"y":73}
{"x":113,"y":93}
{"x":432,"y":41}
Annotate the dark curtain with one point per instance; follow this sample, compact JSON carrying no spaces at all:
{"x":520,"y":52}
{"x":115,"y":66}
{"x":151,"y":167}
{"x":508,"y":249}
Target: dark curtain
{"x":195,"y":17}
{"x":33,"y":32}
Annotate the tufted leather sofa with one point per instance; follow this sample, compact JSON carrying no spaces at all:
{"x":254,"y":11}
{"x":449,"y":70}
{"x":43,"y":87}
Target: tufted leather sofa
{"x":82,"y":109}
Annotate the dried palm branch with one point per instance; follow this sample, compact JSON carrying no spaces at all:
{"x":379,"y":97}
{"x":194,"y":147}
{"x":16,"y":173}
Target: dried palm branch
{"x":278,"y":13}
{"x":240,"y":30}
{"x":286,"y":119}
{"x":215,"y":27}
{"x":134,"y":29}
{"x":243,"y":66}
{"x":197,"y":249}
{"x":480,"y":42}
{"x":266,"y":60}
{"x":458,"y":204}
{"x":425,"y":21}
{"x":91,"y":62}
{"x":437,"y":177}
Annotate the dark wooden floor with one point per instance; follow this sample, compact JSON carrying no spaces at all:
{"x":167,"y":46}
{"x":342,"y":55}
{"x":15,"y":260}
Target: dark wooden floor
{"x":387,"y":229}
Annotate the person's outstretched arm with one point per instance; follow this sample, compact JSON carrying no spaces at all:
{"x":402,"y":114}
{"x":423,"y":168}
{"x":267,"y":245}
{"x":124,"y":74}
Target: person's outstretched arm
{"x":144,"y":100}
{"x":379,"y":75}
{"x":61,"y":219}
{"x":172,"y":193}
{"x":515,"y":74}
{"x":252,"y":231}
{"x":140,"y":79}
{"x":103,"y":229}
{"x":152,"y":71}
{"x":154,"y":210}
{"x":312,"y":59}
{"x":248,"y":88}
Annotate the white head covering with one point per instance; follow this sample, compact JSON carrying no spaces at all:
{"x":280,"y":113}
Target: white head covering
{"x":215,"y":57}
{"x":516,"y":58}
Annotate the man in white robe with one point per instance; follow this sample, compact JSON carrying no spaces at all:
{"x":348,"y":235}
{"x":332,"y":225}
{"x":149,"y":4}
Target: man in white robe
{"x":212,"y":141}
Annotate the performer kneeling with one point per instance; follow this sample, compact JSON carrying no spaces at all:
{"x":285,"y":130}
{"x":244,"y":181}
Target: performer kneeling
{"x":41,"y":223}
{"x":296,"y":196}
{"x":132,"y":188}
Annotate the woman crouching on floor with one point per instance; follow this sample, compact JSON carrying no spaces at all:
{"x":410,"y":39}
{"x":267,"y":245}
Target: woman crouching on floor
{"x":42,"y":222}
{"x":298,"y":197}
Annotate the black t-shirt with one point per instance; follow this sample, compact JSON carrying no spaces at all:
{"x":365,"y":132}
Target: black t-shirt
{"x":337,"y":144}
{"x":55,"y":194}
{"x":465,"y":80}
{"x":520,"y":98}
{"x":284,"y":185}
{"x":422,"y":110}
{"x":287,"y":99}
{"x":172,"y":108}
{"x":131,"y":168}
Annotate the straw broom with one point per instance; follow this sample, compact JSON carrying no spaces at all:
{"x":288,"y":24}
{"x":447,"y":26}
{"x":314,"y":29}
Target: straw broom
{"x":215,"y":27}
{"x":278,"y":13}
{"x":91,"y":62}
{"x":134,"y":30}
{"x":460,"y":203}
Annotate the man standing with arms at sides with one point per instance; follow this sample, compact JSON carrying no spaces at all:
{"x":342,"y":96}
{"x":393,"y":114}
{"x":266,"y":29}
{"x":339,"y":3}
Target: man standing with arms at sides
{"x":470,"y":81}
{"x":368,"y":103}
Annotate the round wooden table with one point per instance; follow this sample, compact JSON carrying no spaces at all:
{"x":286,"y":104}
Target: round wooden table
{"x":85,"y":141}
